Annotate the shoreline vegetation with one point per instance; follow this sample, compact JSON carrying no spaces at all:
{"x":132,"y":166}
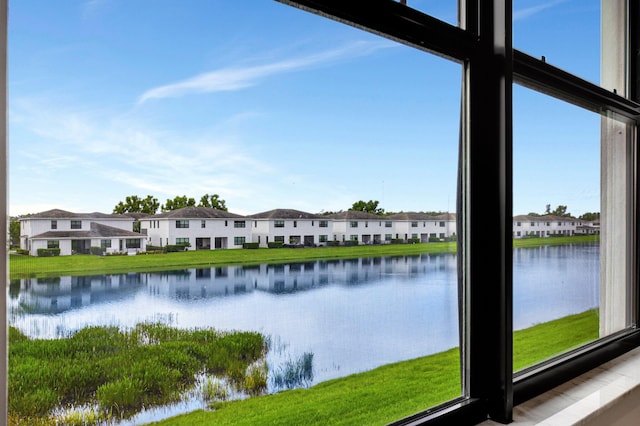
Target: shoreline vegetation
{"x":46,"y":373}
{"x":21,"y":266}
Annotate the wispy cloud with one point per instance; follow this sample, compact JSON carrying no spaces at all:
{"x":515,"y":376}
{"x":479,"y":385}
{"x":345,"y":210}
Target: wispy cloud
{"x":236,"y":78}
{"x":533,"y":10}
{"x":133,"y":157}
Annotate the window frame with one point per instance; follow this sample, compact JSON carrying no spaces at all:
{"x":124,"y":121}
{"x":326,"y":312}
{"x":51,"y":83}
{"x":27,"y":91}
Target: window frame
{"x":483,"y":45}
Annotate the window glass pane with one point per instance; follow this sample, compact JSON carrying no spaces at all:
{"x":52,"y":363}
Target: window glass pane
{"x":571,"y":226}
{"x":272,"y":108}
{"x":446,"y":11}
{"x":566,"y":33}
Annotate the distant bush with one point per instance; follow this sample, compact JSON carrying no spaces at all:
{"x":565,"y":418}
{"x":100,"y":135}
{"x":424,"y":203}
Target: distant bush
{"x":397,"y":241}
{"x":351,"y":243}
{"x":434,"y":239}
{"x":414,"y":240}
{"x":333,"y":243}
{"x":250,"y":245}
{"x":171,"y":248}
{"x":98,"y":251}
{"x":275,"y":244}
{"x":22,"y":251}
{"x":48,"y":252}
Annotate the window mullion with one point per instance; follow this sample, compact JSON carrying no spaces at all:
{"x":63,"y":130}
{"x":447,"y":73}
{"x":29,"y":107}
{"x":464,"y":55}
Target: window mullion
{"x":487,"y":187}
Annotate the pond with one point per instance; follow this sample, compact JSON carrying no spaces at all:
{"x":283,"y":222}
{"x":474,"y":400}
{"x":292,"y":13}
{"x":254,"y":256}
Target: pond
{"x":351,"y":315}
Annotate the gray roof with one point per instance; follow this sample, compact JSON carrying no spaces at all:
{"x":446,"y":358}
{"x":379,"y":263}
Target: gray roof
{"x":355,"y":214}
{"x":421,"y":216}
{"x":543,"y":218}
{"x":96,"y":230}
{"x":63,"y":214}
{"x":197,"y":213}
{"x":285,"y":214}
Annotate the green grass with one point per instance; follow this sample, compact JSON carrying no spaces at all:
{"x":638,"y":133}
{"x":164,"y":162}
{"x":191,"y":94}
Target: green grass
{"x":40,"y":267}
{"x":121,"y":372}
{"x":390,"y":392}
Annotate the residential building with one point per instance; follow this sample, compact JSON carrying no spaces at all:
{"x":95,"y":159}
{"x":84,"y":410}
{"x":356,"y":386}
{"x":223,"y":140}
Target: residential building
{"x":359,"y":227}
{"x":197,"y":228}
{"x":423,"y":227}
{"x":289,"y":227}
{"x":78,"y":232}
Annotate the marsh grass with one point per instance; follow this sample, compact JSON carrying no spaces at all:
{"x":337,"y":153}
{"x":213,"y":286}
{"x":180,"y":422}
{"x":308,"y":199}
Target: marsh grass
{"x":294,"y":374}
{"x":120,"y":372}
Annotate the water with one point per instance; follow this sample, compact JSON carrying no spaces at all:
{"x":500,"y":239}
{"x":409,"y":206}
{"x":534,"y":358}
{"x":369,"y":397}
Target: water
{"x":352,"y":315}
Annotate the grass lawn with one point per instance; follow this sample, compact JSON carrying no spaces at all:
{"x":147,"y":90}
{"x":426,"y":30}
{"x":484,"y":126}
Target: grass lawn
{"x":392,"y":391}
{"x":40,"y":267}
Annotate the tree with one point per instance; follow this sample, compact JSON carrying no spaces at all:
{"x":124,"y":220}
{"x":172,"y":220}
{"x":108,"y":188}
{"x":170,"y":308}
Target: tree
{"x":590,"y":216}
{"x":178,"y":203}
{"x":135,"y":204}
{"x":14,"y":232}
{"x":213,"y":201}
{"x":560,"y":211}
{"x":367,"y":206}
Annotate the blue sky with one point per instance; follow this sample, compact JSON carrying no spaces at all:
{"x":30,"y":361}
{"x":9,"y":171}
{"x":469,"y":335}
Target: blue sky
{"x":271,"y":107}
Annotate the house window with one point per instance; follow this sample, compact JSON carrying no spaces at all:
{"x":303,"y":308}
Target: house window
{"x":278,"y":239}
{"x":203,"y":223}
{"x":182,"y":223}
{"x":518,"y":223}
{"x":278,"y":223}
{"x":105,"y":244}
{"x":388,"y":237}
{"x":238,"y":241}
{"x":414,"y":224}
{"x":53,"y":244}
{"x":323,"y":238}
{"x":353,"y":224}
{"x":295,"y":223}
{"x":353,"y":237}
{"x":387,"y":224}
{"x":323,"y":223}
{"x":182,"y":241}
{"x":132,"y":243}
{"x":441,"y":224}
{"x":54,"y":224}
{"x":414,"y":235}
{"x":533,"y":224}
{"x":238,"y":223}
{"x":76,"y":224}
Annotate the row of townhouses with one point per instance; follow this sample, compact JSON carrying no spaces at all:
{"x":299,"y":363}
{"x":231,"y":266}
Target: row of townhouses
{"x":202,"y":228}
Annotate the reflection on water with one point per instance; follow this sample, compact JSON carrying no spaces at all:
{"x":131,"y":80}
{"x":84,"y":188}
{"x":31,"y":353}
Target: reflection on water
{"x":351,"y":315}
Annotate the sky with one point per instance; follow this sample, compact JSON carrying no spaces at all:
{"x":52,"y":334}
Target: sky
{"x":269,"y":107}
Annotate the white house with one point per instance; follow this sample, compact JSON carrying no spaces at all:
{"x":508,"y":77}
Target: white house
{"x":288,"y":226}
{"x":423,"y":226}
{"x":199,"y":228}
{"x":78,"y":232}
{"x":546,"y":226}
{"x":360,"y":227}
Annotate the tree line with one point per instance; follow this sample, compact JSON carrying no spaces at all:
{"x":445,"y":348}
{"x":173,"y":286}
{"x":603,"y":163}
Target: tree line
{"x":150,"y":204}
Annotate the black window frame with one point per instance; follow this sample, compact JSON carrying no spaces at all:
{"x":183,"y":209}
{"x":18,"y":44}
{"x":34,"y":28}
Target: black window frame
{"x":76,"y":224}
{"x":483,"y":45}
{"x":132,"y":243}
{"x":182,"y":224}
